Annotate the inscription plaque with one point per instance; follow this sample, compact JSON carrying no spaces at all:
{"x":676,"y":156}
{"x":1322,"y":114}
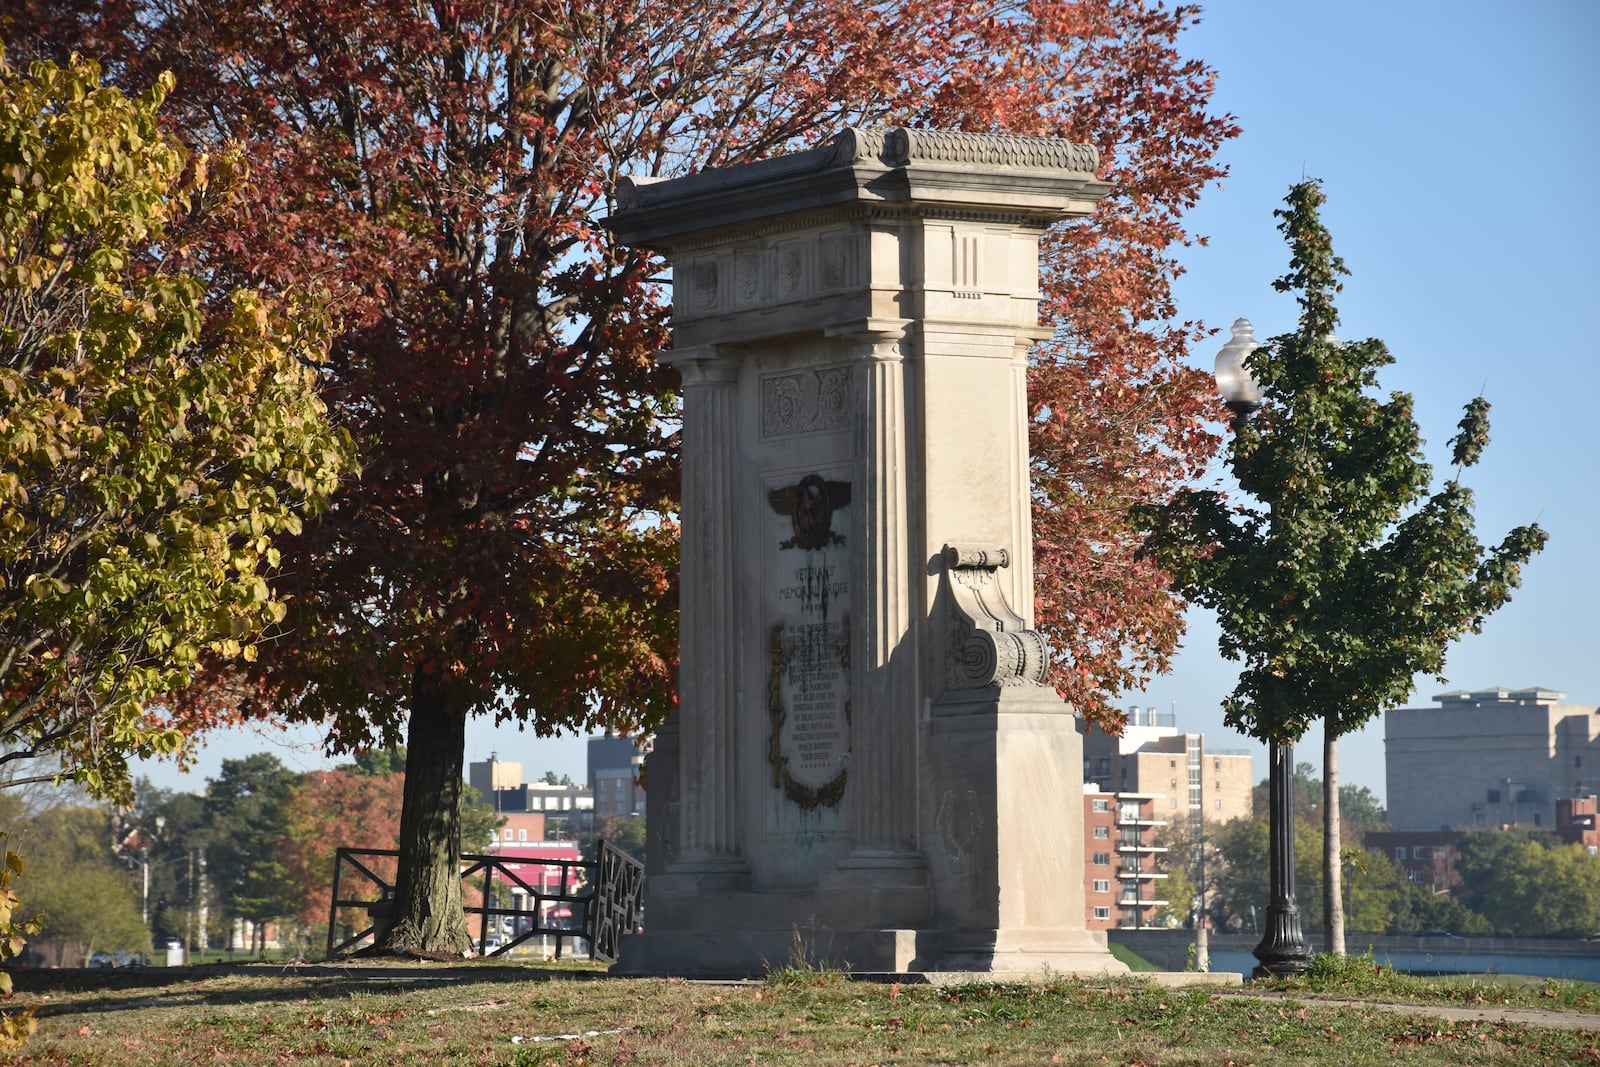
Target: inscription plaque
{"x":808,"y":691}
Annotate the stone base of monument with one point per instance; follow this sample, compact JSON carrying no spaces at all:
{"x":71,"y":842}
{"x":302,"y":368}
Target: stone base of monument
{"x":976,"y":954}
{"x":996,"y":890}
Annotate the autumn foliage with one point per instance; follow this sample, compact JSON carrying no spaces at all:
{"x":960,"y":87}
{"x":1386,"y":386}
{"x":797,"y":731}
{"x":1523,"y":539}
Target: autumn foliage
{"x":442,"y":172}
{"x":333,"y":809}
{"x":158,"y":439}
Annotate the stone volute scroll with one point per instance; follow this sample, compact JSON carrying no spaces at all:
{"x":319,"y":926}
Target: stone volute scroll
{"x":990,"y":645}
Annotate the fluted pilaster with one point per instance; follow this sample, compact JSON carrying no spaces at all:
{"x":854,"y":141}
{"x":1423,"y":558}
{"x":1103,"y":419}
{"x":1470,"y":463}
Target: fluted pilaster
{"x":1021,"y":568}
{"x":883,"y":810}
{"x":709,"y":640}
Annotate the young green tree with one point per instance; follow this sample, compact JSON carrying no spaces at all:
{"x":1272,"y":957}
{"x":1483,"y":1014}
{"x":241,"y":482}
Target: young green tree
{"x":16,"y":1026}
{"x":1420,"y":908}
{"x":156,"y":440}
{"x":1345,"y":578}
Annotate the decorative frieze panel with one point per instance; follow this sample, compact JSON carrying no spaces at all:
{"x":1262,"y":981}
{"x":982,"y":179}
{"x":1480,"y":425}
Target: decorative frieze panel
{"x":807,"y":402}
{"x":703,"y":287}
{"x":833,"y":270}
{"x":989,"y":643}
{"x":791,"y":271}
{"x":769,"y":273}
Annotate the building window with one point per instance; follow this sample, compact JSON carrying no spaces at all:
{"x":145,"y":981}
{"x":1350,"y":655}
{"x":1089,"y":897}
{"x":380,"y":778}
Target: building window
{"x":508,"y":833}
{"x":1216,"y":783}
{"x":1217,"y":805}
{"x":1399,"y":852}
{"x":1438,"y":852}
{"x":1418,"y":877}
{"x":1536,"y":818}
{"x":522,"y":835}
{"x":1102,"y":885}
{"x":1103,"y":833}
{"x":1216,"y":765}
{"x":1102,"y":859}
{"x":1102,"y":913}
{"x":1494,"y":796}
{"x":1173,"y":783}
{"x":1099,"y":805}
{"x":1419,"y":853}
{"x":1172,"y":763}
{"x":1172,"y":802}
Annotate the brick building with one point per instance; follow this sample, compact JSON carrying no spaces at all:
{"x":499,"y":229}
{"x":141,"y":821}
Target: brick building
{"x":1576,"y":819}
{"x":1122,"y":886}
{"x":1428,"y":857}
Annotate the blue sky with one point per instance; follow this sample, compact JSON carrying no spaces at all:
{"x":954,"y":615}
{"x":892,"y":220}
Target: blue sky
{"x":1459,"y":146}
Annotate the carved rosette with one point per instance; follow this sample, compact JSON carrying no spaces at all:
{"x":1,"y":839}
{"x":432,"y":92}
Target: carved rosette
{"x":989,"y":645}
{"x":805,"y":403}
{"x":782,"y":406}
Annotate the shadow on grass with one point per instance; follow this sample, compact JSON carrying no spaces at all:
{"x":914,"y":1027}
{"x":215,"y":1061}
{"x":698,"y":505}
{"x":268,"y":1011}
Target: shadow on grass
{"x":264,"y":983}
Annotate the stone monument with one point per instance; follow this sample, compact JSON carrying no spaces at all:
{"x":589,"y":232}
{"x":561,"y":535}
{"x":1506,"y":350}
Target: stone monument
{"x":864,"y":765}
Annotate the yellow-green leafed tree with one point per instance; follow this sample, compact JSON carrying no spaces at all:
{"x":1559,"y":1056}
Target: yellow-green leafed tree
{"x":156,"y":436}
{"x":15,"y":1026}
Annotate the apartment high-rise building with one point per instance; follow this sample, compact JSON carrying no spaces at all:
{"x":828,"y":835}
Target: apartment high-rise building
{"x":1194,"y":780}
{"x":493,"y":774}
{"x":614,"y":766}
{"x":1122,"y":885}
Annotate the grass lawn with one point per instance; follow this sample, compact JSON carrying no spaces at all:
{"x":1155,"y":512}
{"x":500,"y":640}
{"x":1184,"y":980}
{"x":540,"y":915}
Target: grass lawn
{"x":519,"y":1016}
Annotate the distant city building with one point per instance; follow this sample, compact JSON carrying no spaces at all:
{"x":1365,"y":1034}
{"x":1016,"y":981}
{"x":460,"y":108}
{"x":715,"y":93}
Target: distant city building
{"x":566,"y":810}
{"x":1192,"y":778}
{"x":488,"y":776}
{"x":1120,"y":880}
{"x":1575,"y":822}
{"x":614,"y":765}
{"x":1489,"y":758}
{"x":1428,"y":857}
{"x":520,"y":827}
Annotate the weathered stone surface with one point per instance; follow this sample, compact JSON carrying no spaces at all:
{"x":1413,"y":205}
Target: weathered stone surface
{"x":863,"y":762}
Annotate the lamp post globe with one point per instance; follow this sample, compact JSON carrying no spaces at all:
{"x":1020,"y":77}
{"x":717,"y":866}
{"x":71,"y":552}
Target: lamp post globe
{"x":1239,"y":390}
{"x":1283,"y":950}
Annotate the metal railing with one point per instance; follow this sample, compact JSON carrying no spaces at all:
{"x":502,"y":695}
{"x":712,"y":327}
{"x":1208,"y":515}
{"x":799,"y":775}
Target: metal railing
{"x":595,"y":902}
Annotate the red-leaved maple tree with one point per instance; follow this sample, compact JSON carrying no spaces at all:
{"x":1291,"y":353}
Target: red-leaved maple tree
{"x":333,"y":809}
{"x":442,"y":169}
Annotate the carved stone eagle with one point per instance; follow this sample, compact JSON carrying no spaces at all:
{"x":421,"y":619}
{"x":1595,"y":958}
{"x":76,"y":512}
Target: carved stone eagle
{"x":810,"y":506}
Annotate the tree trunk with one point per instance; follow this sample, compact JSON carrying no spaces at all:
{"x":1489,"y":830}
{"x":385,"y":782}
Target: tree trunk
{"x":1332,"y":871}
{"x":427,"y":917}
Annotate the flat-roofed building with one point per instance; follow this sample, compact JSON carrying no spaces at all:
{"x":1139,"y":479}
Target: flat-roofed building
{"x":1122,"y":886}
{"x":1489,"y":758}
{"x":1194,"y":780}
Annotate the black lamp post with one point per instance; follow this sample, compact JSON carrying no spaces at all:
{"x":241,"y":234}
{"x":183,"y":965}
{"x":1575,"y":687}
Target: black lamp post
{"x":1283,"y":950}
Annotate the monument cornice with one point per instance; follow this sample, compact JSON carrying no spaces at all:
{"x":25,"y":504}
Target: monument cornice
{"x":894,"y":214}
{"x":1043,"y":180}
